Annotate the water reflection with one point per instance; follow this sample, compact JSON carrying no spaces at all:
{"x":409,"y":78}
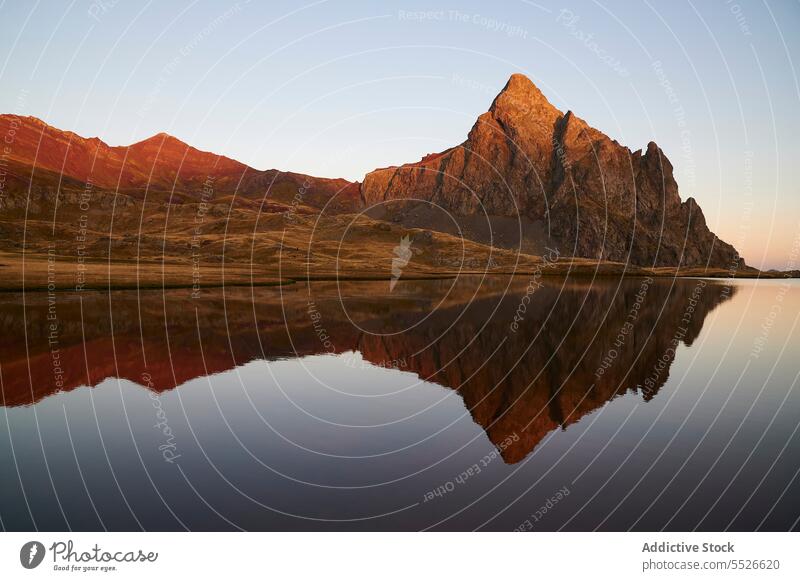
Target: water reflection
{"x":645,"y":404}
{"x":526,"y":356}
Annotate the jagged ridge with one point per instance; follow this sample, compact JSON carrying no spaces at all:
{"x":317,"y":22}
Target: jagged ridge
{"x":594,"y":197}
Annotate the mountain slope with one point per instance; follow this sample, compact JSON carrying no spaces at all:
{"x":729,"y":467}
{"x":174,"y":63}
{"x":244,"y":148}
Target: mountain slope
{"x":161,"y":166}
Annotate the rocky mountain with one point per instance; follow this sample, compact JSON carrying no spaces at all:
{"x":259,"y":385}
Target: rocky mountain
{"x":591,"y":196}
{"x":527,"y":177}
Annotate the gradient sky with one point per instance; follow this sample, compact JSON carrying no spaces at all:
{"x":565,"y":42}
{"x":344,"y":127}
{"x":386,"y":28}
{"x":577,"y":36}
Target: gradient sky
{"x":338,"y":88}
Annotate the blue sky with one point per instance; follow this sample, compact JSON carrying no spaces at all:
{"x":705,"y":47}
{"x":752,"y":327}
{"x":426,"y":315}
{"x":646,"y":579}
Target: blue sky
{"x":337,"y":88}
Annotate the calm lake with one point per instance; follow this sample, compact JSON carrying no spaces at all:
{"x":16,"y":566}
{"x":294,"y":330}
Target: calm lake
{"x":492,"y":404}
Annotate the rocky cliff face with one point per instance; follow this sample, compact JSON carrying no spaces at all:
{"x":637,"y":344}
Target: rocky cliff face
{"x":594,"y":197}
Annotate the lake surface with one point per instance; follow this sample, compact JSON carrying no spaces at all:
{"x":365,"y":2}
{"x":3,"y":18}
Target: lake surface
{"x":493,"y":404}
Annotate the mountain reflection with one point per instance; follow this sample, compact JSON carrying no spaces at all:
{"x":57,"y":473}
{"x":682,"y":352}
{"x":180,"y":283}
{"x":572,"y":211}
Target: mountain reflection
{"x":526,"y":358}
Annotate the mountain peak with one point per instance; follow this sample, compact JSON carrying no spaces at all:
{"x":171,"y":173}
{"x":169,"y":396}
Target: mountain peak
{"x":160,"y":139}
{"x":519,"y":82}
{"x":520,"y":93}
{"x":521,"y":102}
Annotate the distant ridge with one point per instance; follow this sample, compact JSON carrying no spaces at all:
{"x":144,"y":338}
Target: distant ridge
{"x":161,"y":163}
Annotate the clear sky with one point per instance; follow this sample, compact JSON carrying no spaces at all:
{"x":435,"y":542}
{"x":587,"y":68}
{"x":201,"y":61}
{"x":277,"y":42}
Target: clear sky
{"x":338,"y":88}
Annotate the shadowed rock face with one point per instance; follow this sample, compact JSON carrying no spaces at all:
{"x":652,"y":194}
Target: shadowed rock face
{"x":575,"y":347}
{"x":593,"y":196}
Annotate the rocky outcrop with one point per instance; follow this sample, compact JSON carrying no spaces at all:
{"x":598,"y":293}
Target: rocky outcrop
{"x":594,"y":197}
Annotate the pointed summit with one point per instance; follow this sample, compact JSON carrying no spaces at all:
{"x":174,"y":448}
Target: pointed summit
{"x":161,"y":135}
{"x":521,"y":96}
{"x":521,"y":86}
{"x":159,"y":140}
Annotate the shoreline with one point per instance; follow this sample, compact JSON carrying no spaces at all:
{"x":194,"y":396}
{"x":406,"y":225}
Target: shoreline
{"x":236,"y":282}
{"x":40,"y":273}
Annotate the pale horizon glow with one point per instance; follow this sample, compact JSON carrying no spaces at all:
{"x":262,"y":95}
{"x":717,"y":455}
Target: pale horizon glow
{"x":337,"y":89}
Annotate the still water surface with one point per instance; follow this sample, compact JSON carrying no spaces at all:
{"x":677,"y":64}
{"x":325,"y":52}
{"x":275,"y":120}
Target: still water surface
{"x":488,"y":404}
